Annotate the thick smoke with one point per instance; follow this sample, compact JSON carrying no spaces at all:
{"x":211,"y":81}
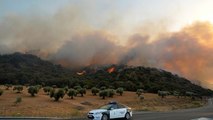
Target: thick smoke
{"x":70,"y":38}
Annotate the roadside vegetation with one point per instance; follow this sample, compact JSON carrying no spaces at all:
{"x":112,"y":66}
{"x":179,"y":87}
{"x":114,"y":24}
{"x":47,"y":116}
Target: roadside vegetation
{"x":22,"y":104}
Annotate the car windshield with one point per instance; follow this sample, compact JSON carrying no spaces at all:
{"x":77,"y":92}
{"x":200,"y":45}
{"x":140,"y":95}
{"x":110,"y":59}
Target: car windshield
{"x":107,"y":107}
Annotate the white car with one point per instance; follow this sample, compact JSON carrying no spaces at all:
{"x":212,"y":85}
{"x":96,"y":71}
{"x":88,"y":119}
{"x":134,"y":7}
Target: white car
{"x":112,"y":110}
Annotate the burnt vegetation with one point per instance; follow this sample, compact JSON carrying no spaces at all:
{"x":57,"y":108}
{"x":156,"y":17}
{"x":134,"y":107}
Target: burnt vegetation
{"x":26,"y":69}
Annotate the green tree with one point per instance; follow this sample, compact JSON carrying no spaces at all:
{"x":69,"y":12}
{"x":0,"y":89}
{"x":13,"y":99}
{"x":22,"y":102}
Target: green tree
{"x":110,"y":92}
{"x":1,"y":92}
{"x":71,"y":93}
{"x":94,"y":91}
{"x":139,"y":92}
{"x":47,"y":89}
{"x":33,"y":90}
{"x":103,"y":93}
{"x":57,"y":94}
{"x":18,"y":88}
{"x":120,"y":91}
{"x":81,"y":91}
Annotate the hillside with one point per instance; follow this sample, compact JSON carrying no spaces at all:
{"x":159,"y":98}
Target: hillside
{"x":20,"y":68}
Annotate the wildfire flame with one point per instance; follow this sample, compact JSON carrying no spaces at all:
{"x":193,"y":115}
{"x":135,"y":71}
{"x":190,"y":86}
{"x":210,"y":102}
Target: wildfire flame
{"x":110,"y":70}
{"x":81,"y":73}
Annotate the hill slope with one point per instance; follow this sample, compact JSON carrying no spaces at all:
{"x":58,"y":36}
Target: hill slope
{"x":20,"y":68}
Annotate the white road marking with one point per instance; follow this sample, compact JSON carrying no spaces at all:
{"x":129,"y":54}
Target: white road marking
{"x":202,"y":118}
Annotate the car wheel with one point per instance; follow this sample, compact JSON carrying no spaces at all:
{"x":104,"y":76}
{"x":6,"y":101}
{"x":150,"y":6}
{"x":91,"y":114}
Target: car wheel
{"x":105,"y":117}
{"x":127,"y":116}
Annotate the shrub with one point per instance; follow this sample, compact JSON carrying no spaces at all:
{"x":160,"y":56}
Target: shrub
{"x":66,"y":89}
{"x":103,"y":93}
{"x":139,"y":92}
{"x":57,"y":94}
{"x":141,"y":97}
{"x":18,"y":100}
{"x":110,"y":92}
{"x":120,"y":91}
{"x":94,"y":91}
{"x":47,"y":89}
{"x":103,"y":88}
{"x":33,"y":90}
{"x":77,"y":87}
{"x":1,"y":92}
{"x":81,"y":91}
{"x":18,"y":88}
{"x":163,"y":93}
{"x":8,"y":86}
{"x":71,"y":93}
{"x":38,"y":87}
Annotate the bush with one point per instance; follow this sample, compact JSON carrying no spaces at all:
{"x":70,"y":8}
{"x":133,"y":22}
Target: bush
{"x":81,"y":91}
{"x":66,"y":89}
{"x":57,"y":94}
{"x":18,"y":100}
{"x":103,"y":88}
{"x":163,"y":93}
{"x":8,"y":86}
{"x":120,"y":91}
{"x":141,"y":97}
{"x":33,"y":90}
{"x":139,"y":92}
{"x":77,"y":87}
{"x":1,"y":92}
{"x":110,"y":92}
{"x":103,"y":93}
{"x":71,"y":93}
{"x":18,"y":88}
{"x":94,"y":91}
{"x":47,"y":89}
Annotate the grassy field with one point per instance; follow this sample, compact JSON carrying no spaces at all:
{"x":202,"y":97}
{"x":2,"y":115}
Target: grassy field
{"x":43,"y":105}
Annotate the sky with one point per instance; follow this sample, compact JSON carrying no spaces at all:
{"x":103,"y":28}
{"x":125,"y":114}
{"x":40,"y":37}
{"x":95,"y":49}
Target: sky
{"x":176,"y":35}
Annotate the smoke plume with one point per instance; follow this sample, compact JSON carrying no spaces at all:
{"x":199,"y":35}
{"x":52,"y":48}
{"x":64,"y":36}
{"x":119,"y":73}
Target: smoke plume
{"x":71,"y":39}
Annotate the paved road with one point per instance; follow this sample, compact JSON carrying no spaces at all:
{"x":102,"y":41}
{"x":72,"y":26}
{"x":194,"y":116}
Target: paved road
{"x":203,"y":113}
{"x":190,"y":114}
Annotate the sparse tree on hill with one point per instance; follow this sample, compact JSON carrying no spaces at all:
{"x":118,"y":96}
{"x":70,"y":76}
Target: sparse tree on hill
{"x":94,"y":91}
{"x":1,"y":92}
{"x":120,"y":91}
{"x":47,"y":89}
{"x":57,"y":94}
{"x":71,"y":93}
{"x":18,"y":88}
{"x":139,"y":92}
{"x":33,"y":90}
{"x":103,"y":94}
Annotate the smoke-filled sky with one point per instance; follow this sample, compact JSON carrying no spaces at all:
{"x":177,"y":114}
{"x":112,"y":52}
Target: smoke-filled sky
{"x":176,"y":35}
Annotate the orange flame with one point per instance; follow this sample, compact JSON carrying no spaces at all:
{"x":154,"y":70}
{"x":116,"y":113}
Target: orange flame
{"x":81,"y":73}
{"x":110,"y":70}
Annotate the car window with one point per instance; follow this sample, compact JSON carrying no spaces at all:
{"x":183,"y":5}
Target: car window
{"x":121,"y":106}
{"x":106,"y":107}
{"x":114,"y":106}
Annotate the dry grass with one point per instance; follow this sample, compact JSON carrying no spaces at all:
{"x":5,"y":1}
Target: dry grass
{"x":42,"y":105}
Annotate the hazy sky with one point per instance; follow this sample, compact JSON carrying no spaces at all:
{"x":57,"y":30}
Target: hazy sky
{"x":176,"y":35}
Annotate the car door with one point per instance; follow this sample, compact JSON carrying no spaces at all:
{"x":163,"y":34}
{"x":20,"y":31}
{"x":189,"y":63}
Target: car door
{"x":121,"y":110}
{"x":114,"y":112}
